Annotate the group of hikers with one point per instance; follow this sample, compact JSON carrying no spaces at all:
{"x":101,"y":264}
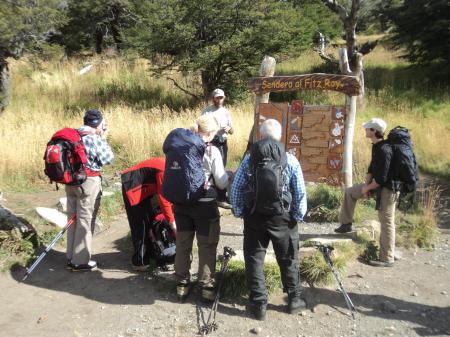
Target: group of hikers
{"x":171,"y":200}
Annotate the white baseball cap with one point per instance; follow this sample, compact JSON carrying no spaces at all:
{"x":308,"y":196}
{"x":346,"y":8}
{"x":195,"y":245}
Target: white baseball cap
{"x":218,"y":93}
{"x":376,"y":124}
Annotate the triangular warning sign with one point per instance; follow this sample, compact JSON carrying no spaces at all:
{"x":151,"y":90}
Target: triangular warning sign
{"x":294,"y":140}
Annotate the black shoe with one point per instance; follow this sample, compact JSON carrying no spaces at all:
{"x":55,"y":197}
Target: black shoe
{"x":90,"y":266}
{"x":183,"y":289}
{"x":378,"y":263}
{"x":257,"y":310}
{"x":143,"y":267}
{"x":69,"y":265}
{"x":296,"y":304}
{"x":344,"y":228}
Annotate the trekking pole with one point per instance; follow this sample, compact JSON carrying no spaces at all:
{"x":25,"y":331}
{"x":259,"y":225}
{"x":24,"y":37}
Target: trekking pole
{"x":325,"y":250}
{"x":70,"y":222}
{"x":228,"y":253}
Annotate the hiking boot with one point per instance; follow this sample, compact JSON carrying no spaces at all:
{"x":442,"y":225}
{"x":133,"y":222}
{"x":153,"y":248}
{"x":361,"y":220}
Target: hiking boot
{"x":183,"y":289}
{"x":224,"y":204}
{"x":69,"y":265}
{"x":344,"y":228}
{"x":257,"y":310}
{"x":296,"y":304}
{"x":90,"y":266}
{"x":208,"y":294}
{"x":143,"y":267}
{"x":378,"y":263}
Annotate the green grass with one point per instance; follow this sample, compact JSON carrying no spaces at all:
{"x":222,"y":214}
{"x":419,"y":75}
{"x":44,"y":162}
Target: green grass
{"x":234,"y":283}
{"x":111,"y":206}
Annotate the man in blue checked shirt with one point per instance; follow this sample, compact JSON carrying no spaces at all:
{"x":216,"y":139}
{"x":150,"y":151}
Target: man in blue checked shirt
{"x":255,"y":196}
{"x":84,"y":200}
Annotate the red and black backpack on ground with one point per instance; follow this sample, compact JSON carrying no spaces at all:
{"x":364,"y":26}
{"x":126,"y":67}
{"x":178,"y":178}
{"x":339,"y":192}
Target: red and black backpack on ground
{"x":65,"y":158}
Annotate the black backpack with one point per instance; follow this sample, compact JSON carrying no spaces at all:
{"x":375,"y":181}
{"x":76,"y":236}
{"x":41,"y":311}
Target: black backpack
{"x":268,"y":177}
{"x":184,"y":177}
{"x":404,"y":168}
{"x":162,"y":243}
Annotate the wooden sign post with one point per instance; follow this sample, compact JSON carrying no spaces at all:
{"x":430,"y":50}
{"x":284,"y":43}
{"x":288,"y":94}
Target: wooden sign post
{"x":316,"y":135}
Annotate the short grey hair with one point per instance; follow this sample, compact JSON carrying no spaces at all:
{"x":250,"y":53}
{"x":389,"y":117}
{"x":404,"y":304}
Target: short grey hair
{"x":271,"y":128}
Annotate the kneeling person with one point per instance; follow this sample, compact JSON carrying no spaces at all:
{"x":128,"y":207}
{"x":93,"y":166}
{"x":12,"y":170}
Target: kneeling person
{"x":141,"y":185}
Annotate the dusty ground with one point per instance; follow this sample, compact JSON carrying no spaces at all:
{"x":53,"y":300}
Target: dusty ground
{"x":411,"y":299}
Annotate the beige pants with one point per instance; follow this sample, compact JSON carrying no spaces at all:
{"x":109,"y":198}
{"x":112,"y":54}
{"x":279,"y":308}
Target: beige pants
{"x":84,"y":201}
{"x":201,"y":220}
{"x":386,"y":215}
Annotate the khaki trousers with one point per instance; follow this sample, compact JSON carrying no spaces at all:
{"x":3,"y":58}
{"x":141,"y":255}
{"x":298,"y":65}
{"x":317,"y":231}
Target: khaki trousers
{"x":386,"y":215}
{"x":203,"y":221}
{"x":84,"y":201}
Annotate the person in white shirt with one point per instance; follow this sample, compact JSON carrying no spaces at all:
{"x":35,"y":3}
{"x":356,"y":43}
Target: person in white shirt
{"x":223,"y":118}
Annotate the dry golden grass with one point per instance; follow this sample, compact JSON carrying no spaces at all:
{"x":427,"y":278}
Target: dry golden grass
{"x":50,"y":95}
{"x":47,"y":98}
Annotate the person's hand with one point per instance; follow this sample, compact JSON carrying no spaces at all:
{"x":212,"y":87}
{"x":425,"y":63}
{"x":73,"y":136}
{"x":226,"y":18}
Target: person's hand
{"x":173,"y":226}
{"x":292,"y":222}
{"x":226,"y":129}
{"x":365,"y":191}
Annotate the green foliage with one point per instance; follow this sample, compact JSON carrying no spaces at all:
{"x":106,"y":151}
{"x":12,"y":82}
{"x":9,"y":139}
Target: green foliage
{"x":324,"y":202}
{"x":27,"y":25}
{"x":219,"y":41}
{"x":111,"y":206}
{"x":369,"y":249}
{"x":315,"y":271}
{"x":137,"y":94}
{"x":416,"y":230}
{"x":422,"y":28}
{"x":95,"y":23}
{"x":234,"y":284}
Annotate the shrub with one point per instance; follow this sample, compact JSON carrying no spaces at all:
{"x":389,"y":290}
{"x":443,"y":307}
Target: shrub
{"x":420,"y":228}
{"x":234,"y":283}
{"x":324,"y":202}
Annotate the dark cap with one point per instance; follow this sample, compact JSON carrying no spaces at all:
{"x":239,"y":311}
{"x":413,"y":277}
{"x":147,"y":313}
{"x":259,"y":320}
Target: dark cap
{"x":93,"y":118}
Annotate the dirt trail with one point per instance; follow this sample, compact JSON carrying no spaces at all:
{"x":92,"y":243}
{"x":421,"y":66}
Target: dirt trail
{"x":114,"y":301}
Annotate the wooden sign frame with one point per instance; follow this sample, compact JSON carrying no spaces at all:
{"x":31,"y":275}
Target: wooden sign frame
{"x":338,"y":158}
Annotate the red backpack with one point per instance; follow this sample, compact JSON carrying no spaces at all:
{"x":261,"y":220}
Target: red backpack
{"x":65,"y":158}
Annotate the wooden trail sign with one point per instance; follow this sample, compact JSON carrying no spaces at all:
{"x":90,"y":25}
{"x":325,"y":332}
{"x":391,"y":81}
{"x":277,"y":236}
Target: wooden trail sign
{"x":312,"y":133}
{"x":346,"y":84}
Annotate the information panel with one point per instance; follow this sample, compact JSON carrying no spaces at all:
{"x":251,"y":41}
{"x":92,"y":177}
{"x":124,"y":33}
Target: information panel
{"x":313,"y":133}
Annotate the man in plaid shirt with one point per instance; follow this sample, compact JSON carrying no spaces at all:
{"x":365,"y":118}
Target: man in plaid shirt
{"x":84,"y":200}
{"x":281,"y":229}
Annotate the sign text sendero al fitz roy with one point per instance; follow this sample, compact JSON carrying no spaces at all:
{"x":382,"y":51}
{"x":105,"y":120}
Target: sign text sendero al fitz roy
{"x":341,"y":83}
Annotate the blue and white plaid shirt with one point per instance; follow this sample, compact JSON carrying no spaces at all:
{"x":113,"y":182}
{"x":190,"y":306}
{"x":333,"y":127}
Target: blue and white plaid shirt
{"x":296,"y":187}
{"x":98,"y":151}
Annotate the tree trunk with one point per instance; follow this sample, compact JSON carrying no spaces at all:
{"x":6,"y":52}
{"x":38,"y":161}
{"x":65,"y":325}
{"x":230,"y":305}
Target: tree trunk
{"x":115,"y":31}
{"x":267,"y":68}
{"x":4,"y":84}
{"x":350,"y":38}
{"x":98,"y":41}
{"x":208,"y":85}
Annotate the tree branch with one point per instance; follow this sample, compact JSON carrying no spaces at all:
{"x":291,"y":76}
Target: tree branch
{"x":175,"y":83}
{"x":320,"y":49}
{"x":337,"y":8}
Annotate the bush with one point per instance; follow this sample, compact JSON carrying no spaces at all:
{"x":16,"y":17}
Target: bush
{"x":420,"y":227}
{"x":234,"y":284}
{"x":324,"y":202}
